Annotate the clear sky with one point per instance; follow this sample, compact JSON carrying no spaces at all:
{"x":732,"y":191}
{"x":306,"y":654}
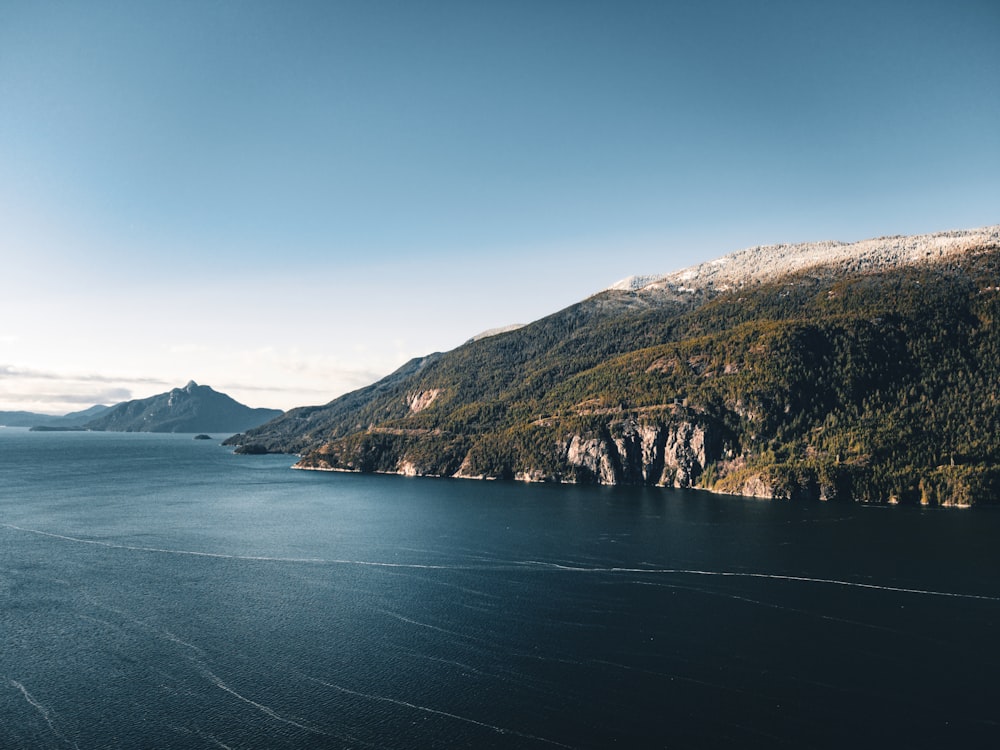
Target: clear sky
{"x":287,"y":200}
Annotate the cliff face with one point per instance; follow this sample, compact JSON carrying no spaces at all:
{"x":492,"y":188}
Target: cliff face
{"x":621,"y":452}
{"x":867,"y":378}
{"x":630,"y":452}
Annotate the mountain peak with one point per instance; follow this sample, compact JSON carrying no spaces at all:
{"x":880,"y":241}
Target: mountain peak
{"x":193,"y":408}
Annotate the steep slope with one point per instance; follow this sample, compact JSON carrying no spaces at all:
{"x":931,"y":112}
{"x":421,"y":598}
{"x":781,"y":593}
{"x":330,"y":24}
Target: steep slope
{"x":193,"y":408}
{"x":299,"y":429}
{"x":870,"y":372}
{"x":480,"y":382}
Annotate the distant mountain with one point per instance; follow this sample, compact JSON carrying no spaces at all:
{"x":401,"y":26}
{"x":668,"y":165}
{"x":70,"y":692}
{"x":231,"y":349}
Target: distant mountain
{"x":31,"y":419}
{"x":193,"y":408}
{"x":23,"y":418}
{"x":865,"y":371}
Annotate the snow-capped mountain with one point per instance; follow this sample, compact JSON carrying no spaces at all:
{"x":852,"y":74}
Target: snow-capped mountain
{"x":771,"y":261}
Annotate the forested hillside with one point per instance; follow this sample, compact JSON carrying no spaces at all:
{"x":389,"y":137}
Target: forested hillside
{"x":834,"y":382}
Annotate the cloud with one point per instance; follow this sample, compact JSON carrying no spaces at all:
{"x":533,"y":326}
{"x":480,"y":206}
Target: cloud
{"x":254,"y":388}
{"x":10,"y":371}
{"x":266,"y":376}
{"x":294,"y":371}
{"x":104,"y":396}
{"x":52,"y":392}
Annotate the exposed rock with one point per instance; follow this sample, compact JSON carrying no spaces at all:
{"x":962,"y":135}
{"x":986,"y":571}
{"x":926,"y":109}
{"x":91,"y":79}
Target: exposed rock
{"x":755,"y":485}
{"x":532,"y":475}
{"x":688,"y":449}
{"x":422,"y":399}
{"x":592,"y":455}
{"x":634,"y":453}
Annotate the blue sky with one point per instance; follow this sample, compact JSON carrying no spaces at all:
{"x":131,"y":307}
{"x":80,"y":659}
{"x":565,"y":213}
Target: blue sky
{"x":287,"y":200}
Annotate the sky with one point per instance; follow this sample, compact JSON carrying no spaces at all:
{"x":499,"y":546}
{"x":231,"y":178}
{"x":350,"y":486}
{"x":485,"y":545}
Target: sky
{"x":288,"y":200}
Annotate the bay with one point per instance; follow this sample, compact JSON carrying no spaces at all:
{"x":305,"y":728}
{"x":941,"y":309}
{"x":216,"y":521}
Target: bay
{"x":157,"y":591}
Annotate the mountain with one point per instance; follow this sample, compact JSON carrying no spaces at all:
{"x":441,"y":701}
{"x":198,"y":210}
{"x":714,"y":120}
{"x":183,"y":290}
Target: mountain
{"x":24,"y":418}
{"x":866,"y":371}
{"x":31,"y":419}
{"x":193,"y":408}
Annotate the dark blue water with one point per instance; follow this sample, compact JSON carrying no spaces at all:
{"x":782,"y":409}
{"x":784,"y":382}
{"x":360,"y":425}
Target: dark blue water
{"x":157,"y":591}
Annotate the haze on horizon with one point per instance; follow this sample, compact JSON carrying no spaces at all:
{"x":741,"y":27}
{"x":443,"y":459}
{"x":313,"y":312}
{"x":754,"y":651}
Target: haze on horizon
{"x":288,"y":201}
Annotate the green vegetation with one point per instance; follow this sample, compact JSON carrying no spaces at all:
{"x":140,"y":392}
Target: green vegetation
{"x":874,"y":387}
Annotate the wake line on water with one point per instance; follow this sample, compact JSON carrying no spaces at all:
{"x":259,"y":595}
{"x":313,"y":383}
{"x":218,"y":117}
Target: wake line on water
{"x":513,"y":565}
{"x":266,"y":710}
{"x":161,"y":632}
{"x":45,"y":713}
{"x":421,"y":624}
{"x":136,"y":548}
{"x":771,"y":576}
{"x":427,"y":709}
{"x":222,"y":555}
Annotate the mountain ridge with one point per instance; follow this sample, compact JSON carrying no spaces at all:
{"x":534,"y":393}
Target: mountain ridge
{"x":867,"y":377}
{"x":193,"y":408}
{"x":767,"y":262}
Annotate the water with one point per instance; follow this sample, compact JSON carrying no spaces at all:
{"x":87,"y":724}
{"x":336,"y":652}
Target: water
{"x":157,"y":591}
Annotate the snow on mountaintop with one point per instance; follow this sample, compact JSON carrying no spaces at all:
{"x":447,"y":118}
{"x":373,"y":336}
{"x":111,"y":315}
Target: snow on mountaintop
{"x":496,"y":331}
{"x":771,"y":261}
{"x":632,"y":283}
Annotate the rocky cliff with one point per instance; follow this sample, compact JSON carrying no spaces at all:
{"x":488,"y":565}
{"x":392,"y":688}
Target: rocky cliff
{"x":620,"y":452}
{"x":631,"y":452}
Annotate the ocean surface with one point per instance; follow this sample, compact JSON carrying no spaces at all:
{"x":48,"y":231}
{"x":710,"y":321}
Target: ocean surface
{"x":161,"y":592}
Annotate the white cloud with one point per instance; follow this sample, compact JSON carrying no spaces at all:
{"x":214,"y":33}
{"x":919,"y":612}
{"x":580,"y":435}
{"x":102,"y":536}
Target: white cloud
{"x":11,"y":371}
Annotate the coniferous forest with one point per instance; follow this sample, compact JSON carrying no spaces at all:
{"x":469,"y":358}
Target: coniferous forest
{"x":877,"y":387}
